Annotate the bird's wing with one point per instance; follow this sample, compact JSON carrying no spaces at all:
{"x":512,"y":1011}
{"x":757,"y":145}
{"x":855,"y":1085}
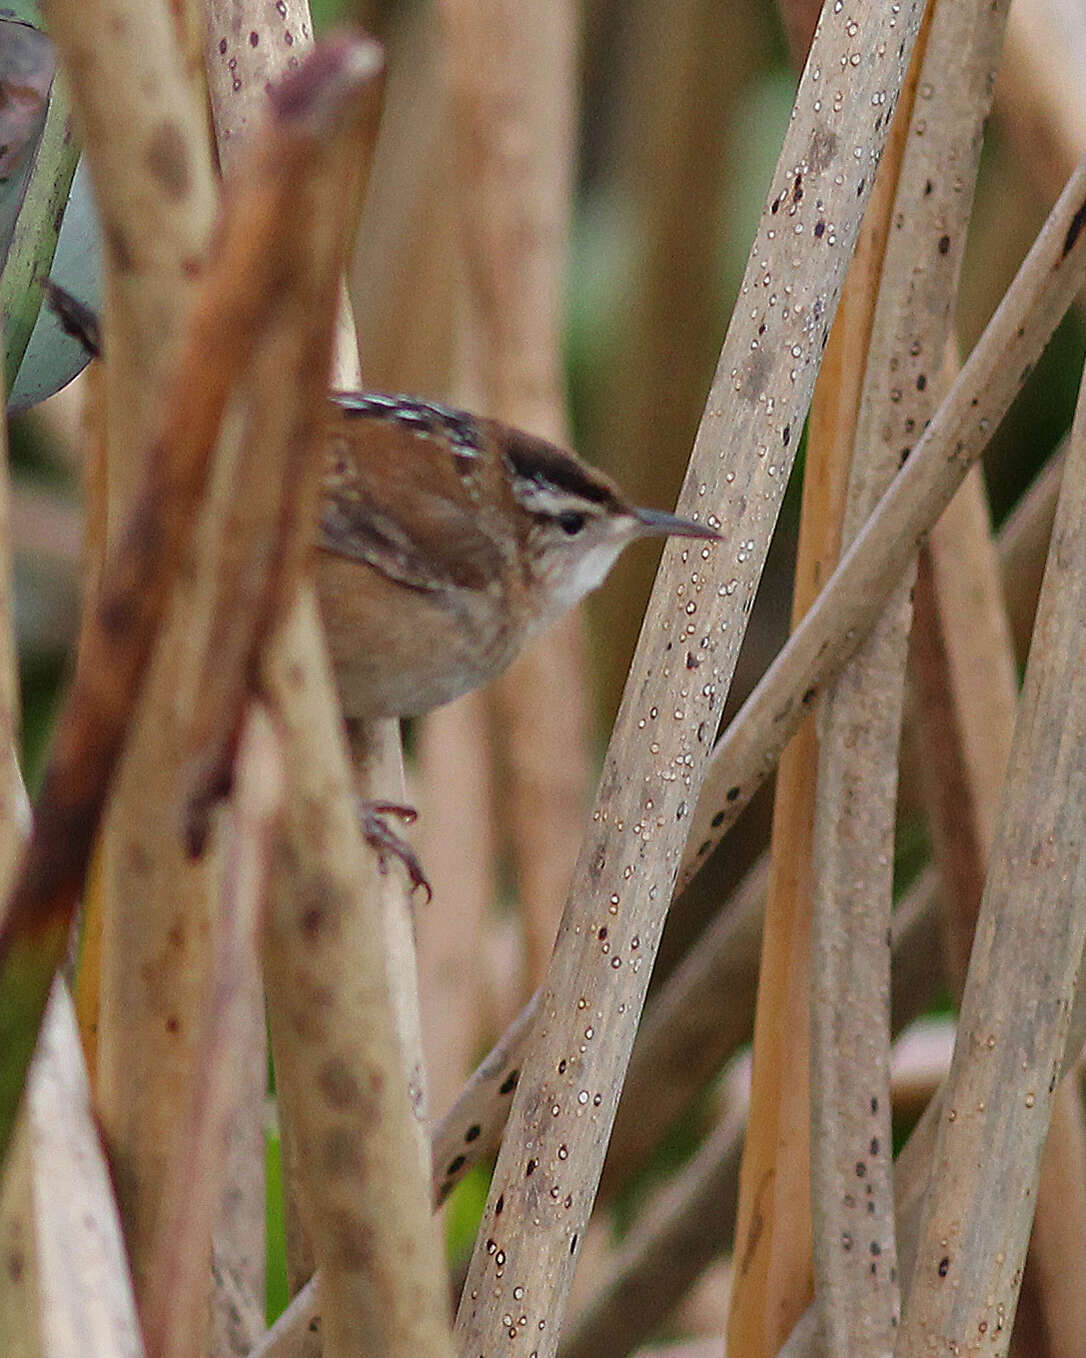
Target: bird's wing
{"x":436,"y":544}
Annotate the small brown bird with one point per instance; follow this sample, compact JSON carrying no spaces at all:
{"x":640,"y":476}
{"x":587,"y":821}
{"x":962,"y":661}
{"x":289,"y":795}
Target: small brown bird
{"x":447,"y":541}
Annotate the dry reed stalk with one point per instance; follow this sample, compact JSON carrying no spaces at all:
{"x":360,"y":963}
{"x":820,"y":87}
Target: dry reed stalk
{"x":861,"y":711}
{"x":691,"y":1224}
{"x":87,"y":1301}
{"x":1023,"y":549}
{"x":1039,"y":99}
{"x":236,"y":297}
{"x":690,"y":1030}
{"x":664,"y":1255}
{"x":456,"y":843}
{"x":1016,"y":1009}
{"x":663,"y":175}
{"x":773,"y":1279}
{"x":513,"y":113}
{"x":20,"y":1289}
{"x":338,"y":1057}
{"x":552,"y":1153}
{"x":146,"y":138}
{"x":845,"y":611}
{"x":406,"y":276}
{"x":963,"y":667}
{"x":174,"y":1323}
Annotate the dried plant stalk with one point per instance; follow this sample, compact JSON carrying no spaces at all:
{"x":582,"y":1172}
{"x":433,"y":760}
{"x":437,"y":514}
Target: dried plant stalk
{"x":861,"y":713}
{"x":337,"y":1053}
{"x":693,"y":1026}
{"x":457,"y":845}
{"x":964,"y":669}
{"x":552,"y":1153}
{"x":847,"y":608}
{"x":512,"y":86}
{"x":1039,"y":100}
{"x":173,"y":1319}
{"x":666,"y":1253}
{"x":1016,"y":1009}
{"x":87,"y":1302}
{"x":1023,"y":549}
{"x":146,"y":139}
{"x":773,"y":1280}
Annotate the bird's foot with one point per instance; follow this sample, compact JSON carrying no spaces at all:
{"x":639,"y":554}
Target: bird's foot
{"x":381,"y":837}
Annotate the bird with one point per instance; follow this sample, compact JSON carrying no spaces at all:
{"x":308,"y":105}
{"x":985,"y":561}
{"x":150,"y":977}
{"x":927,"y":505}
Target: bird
{"x":447,"y":541}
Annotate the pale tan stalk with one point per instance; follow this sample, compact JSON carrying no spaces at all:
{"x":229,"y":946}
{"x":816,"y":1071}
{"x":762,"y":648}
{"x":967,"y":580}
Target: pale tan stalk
{"x":861,"y":712}
{"x":1040,"y":102}
{"x":1023,"y":549}
{"x":1016,"y":1009}
{"x":20,"y":1292}
{"x":1044,"y":287}
{"x":689,"y":1225}
{"x":512,"y":80}
{"x":773,"y":1277}
{"x":406,"y":275}
{"x":337,"y":1051}
{"x":87,"y":1302}
{"x":456,"y":842}
{"x":155,"y":191}
{"x":665,"y":173}
{"x":173,"y":1320}
{"x":552,"y":1154}
{"x":967,"y":690}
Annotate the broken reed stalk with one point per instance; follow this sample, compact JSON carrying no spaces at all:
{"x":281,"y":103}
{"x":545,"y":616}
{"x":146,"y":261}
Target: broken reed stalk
{"x":1016,"y":1009}
{"x":847,"y":608}
{"x":552,"y":1154}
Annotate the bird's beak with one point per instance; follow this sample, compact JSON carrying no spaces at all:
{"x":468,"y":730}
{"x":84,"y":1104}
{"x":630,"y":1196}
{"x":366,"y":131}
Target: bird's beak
{"x":659,"y":523}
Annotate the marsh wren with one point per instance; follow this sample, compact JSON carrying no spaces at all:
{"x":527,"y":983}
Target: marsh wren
{"x":447,"y":541}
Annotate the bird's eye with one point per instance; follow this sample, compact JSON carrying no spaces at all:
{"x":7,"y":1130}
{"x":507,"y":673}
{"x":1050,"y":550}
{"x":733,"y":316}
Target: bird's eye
{"x":571,"y":522}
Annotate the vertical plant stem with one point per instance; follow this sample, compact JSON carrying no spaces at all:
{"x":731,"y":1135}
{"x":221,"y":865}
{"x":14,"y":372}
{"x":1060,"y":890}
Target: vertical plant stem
{"x":1018,"y":997}
{"x":860,"y":718}
{"x":774,"y":1279}
{"x":155,"y":192}
{"x":552,"y":1154}
{"x":87,"y":1302}
{"x":513,"y":111}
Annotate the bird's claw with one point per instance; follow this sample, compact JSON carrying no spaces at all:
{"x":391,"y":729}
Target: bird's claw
{"x":380,"y":836}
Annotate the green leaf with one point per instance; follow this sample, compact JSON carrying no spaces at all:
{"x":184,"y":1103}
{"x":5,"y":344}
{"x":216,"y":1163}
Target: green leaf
{"x":34,"y":240}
